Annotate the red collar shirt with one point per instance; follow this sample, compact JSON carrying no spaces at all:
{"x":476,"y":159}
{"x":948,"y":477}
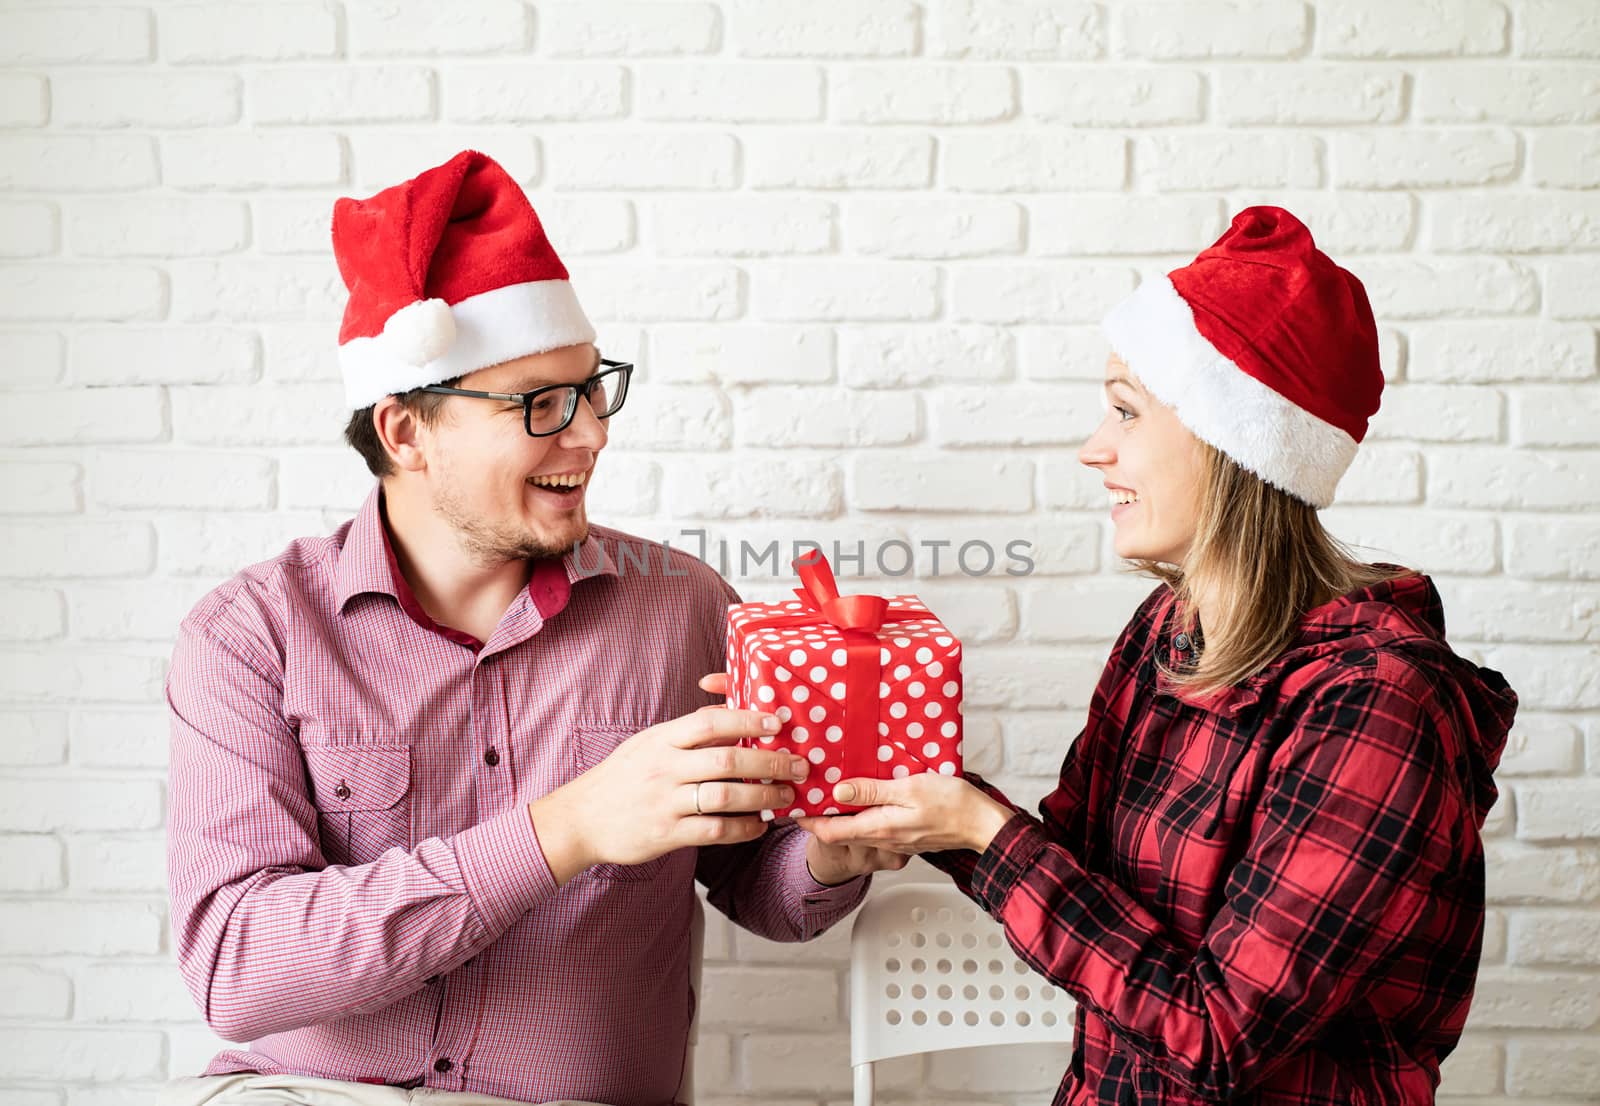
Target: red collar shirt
{"x":357,"y":886}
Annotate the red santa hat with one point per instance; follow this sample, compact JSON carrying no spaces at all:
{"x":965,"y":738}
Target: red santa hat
{"x":449,"y":272}
{"x":1264,"y":348}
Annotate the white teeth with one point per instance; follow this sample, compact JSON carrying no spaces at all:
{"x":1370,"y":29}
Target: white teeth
{"x":1118,"y":497}
{"x":563,"y":480}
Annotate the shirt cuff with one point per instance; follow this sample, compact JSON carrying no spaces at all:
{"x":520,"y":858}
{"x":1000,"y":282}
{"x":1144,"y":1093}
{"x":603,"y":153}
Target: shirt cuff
{"x":819,"y":898}
{"x":504,"y":867}
{"x":1003,"y":863}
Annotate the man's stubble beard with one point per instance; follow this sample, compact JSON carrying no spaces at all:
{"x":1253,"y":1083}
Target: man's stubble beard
{"x":490,"y":543}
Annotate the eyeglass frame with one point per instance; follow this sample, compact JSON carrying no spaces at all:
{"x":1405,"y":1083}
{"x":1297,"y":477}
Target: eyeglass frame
{"x":527,"y":398}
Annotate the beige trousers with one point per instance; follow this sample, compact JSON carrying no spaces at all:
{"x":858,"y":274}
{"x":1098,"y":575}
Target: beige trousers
{"x":250,"y":1089}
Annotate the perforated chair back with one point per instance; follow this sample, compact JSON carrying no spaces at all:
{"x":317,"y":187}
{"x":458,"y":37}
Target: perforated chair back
{"x":930,"y":971}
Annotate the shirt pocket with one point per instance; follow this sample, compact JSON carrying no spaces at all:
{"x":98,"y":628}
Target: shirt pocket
{"x":592,"y":743}
{"x":362,"y":795}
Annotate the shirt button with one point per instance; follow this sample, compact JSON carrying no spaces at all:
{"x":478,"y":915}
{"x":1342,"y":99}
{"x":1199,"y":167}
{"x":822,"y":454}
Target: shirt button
{"x":343,"y":790}
{"x":1181,"y":643}
{"x":491,"y":758}
{"x":442,"y":1064}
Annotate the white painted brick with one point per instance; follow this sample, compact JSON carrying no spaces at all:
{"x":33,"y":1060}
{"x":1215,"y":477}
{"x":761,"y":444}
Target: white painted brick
{"x":713,"y":1063}
{"x":164,"y":99}
{"x":1534,"y":1000}
{"x":1437,"y":413}
{"x":483,"y":27}
{"x":740,"y":226}
{"x":239,"y":289}
{"x":1185,"y":162}
{"x":1066,"y":483}
{"x":1033,"y":161}
{"x":347,"y":94}
{"x":298,"y":352}
{"x":28,"y":228}
{"x":1014,"y":415}
{"x":674,"y":417}
{"x":1551,"y":677}
{"x":1321,"y":95}
{"x":385,"y":156}
{"x":24,"y":100}
{"x":933,"y":226}
{"x":81,"y":291}
{"x":69,"y":35}
{"x":752,"y":92}
{"x":64,"y":549}
{"x":1542,"y":93}
{"x":180,"y":478}
{"x":665,"y":292}
{"x":1347,"y":222}
{"x":1087,"y":611}
{"x":1552,"y":549}
{"x":1215,"y":29}
{"x":699,"y":488}
{"x":157,"y":227}
{"x":35,"y":805}
{"x":123,"y":737}
{"x":1410,"y":28}
{"x":1423,"y":158}
{"x":164,"y":355}
{"x":822,"y":28}
{"x":32,"y":993}
{"x":943,"y":94}
{"x":30,"y":862}
{"x":1564,"y":157}
{"x":1558,"y":810}
{"x":980,"y":611}
{"x":35,"y":1096}
{"x":976,"y":29}
{"x":1516,"y":872}
{"x":150,"y":612}
{"x":132,"y":992}
{"x":1555,"y":938}
{"x":33,"y":736}
{"x":899,"y":357}
{"x":1464,"y":544}
{"x":734,"y":354}
{"x":1475,"y":1066}
{"x":77,"y":163}
{"x":1382,"y":474}
{"x":547,"y":92}
{"x":1063,"y":352}
{"x":1054,"y":546}
{"x":838,"y":159}
{"x":1102,"y":96}
{"x":247,"y":160}
{"x":1494,"y":937}
{"x":780,"y":417}
{"x":259,"y":414}
{"x":322,"y":478}
{"x":605,"y":29}
{"x":1036,"y":742}
{"x":1506,"y":610}
{"x":99,"y":675}
{"x":1556,"y":1067}
{"x":293,"y":224}
{"x":1469,"y":352}
{"x":1514,"y":479}
{"x":778,"y":998}
{"x":624,"y":486}
{"x":220,"y":544}
{"x":32,"y":614}
{"x":1516,"y":224}
{"x":1417,"y":288}
{"x":1032,"y":678}
{"x":1091,"y":225}
{"x":85,"y":415}
{"x":1539,"y":745}
{"x":1572,"y":288}
{"x":786,"y":1063}
{"x":1063,"y":292}
{"x":587,"y":225}
{"x":631,"y":160}
{"x":866,"y":291}
{"x":77,"y":1054}
{"x":39,"y":488}
{"x":1558,"y":29}
{"x":190,"y":1049}
{"x":1556,"y":416}
{"x":933,"y":482}
{"x":243,"y":32}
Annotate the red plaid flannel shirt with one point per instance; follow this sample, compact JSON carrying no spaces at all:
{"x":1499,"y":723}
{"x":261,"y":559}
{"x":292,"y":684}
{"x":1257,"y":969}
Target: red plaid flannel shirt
{"x":1275,"y":894}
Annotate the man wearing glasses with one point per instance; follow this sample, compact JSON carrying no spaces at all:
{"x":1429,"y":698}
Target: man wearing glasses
{"x":438,"y":797}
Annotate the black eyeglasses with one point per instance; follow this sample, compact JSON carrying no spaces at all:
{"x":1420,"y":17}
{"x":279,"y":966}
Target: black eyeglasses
{"x":549,"y":410}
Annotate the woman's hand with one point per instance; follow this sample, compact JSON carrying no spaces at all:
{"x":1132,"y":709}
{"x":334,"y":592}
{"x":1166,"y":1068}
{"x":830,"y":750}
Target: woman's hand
{"x":922,"y":813}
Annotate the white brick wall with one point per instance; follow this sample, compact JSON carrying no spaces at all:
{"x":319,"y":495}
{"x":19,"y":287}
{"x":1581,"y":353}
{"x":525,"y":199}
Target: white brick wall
{"x":859,"y":250}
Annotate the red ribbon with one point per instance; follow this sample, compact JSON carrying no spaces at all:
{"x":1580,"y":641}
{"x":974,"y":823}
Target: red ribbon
{"x":858,"y":618}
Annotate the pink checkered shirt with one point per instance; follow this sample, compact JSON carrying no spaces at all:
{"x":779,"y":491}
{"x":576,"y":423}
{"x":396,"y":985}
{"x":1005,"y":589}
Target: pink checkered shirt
{"x":357,"y":888}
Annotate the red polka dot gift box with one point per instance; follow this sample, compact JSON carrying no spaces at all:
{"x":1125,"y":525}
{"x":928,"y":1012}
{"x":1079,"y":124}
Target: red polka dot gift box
{"x":864,"y":685}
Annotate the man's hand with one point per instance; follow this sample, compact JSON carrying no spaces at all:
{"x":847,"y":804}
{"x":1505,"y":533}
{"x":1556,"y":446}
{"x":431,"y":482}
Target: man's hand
{"x":640,"y":802}
{"x":834,"y":864}
{"x":921,"y":813}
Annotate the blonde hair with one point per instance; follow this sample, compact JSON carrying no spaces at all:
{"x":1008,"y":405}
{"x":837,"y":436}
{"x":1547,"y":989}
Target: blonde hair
{"x":1262,"y":559}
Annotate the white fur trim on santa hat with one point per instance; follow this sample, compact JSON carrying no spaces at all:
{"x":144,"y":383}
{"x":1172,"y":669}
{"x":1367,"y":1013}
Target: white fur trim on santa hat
{"x":499,"y":325}
{"x":1153,"y":331}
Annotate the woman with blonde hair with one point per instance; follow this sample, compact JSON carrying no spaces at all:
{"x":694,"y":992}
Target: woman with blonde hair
{"x":1260,"y":874}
